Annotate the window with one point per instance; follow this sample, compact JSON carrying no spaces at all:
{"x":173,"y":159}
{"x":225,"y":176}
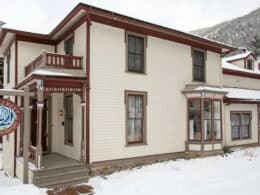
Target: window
{"x":136,"y":116}
{"x":68,"y":109}
{"x":194,"y":119}
{"x":249,"y":65}
{"x":240,"y":125}
{"x":68,"y":45}
{"x":8,"y":67}
{"x":199,"y":60}
{"x":136,"y":53}
{"x":211,"y":121}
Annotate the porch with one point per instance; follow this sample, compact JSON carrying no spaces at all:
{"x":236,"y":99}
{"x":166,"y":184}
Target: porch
{"x":58,"y":134}
{"x":57,"y":170}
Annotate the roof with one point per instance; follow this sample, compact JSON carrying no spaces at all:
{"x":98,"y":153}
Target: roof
{"x":245,"y":94}
{"x":203,"y":89}
{"x":238,"y":56}
{"x":87,"y":12}
{"x":227,"y":65}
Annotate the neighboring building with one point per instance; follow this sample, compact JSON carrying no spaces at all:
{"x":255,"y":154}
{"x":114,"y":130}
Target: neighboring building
{"x":117,"y":89}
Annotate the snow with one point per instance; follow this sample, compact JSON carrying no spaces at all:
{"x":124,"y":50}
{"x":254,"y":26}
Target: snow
{"x":237,"y":56}
{"x":243,"y":93}
{"x":236,"y":67}
{"x":237,"y":173}
{"x":57,"y":72}
{"x":213,"y":89}
{"x":13,"y":186}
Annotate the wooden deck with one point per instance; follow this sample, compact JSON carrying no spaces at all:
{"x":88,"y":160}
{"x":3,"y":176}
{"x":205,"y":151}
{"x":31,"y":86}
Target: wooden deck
{"x":56,"y":160}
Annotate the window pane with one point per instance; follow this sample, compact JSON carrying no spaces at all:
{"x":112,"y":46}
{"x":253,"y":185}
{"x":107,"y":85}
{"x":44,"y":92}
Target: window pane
{"x":131,"y":130}
{"x":131,"y":107}
{"x":244,"y":131}
{"x":131,"y":44}
{"x":131,"y":62}
{"x":217,"y":128}
{"x":199,"y":58}
{"x":138,"y":61}
{"x":139,"y":107}
{"x":194,"y":120}
{"x":207,"y":109}
{"x":245,"y":119}
{"x":235,"y":119}
{"x":235,"y":132}
{"x":217,"y":109}
{"x":138,"y":130}
{"x":139,"y":45}
{"x":207,"y":129}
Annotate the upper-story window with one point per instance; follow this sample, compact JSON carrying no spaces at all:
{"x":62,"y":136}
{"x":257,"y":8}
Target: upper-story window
{"x":68,"y":45}
{"x":199,"y":61}
{"x":8,"y":56}
{"x":249,"y":65}
{"x":136,"y":53}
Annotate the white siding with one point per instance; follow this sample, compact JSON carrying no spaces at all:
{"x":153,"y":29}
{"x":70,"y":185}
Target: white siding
{"x":169,"y":68}
{"x":240,"y":82}
{"x":27,"y":52}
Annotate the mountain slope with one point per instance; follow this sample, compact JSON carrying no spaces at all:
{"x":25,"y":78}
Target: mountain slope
{"x":240,"y":32}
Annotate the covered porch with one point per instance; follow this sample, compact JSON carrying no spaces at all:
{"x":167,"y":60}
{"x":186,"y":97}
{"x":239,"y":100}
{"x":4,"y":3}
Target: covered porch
{"x":57,"y":138}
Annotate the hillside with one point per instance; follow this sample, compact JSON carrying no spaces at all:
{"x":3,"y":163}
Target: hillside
{"x":240,"y":32}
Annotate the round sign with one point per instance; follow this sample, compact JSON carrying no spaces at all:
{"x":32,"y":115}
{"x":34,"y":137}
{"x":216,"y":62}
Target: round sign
{"x":10,"y":116}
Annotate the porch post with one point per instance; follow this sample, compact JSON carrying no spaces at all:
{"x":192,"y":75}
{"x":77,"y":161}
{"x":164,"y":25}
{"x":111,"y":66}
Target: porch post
{"x":26,"y":136}
{"x":82,"y":151}
{"x":40,"y":103}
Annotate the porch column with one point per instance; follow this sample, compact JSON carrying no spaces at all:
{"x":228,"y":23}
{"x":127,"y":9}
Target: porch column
{"x":82,"y":149}
{"x":40,"y":104}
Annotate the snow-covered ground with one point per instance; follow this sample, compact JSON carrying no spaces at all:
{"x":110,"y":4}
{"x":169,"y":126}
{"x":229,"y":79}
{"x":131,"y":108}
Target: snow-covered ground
{"x":12,"y":186}
{"x":237,"y":173}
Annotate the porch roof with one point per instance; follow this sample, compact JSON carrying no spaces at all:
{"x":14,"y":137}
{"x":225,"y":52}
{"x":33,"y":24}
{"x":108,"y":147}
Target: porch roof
{"x":61,"y":75}
{"x":243,"y":94}
{"x":203,"y":89}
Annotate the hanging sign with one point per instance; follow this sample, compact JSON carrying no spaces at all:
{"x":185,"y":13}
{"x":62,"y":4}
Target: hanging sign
{"x":10,"y":116}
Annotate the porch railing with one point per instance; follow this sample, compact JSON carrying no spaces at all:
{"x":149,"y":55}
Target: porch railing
{"x":54,"y":60}
{"x":32,"y":154}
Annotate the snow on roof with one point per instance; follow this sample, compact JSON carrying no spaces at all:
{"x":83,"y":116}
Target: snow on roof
{"x":238,"y":93}
{"x":213,"y":89}
{"x":57,"y":72}
{"x":237,"y":56}
{"x":238,"y":68}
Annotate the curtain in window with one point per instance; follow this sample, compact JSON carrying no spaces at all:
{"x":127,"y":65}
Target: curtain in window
{"x":245,"y":121}
{"x":235,"y":123}
{"x":217,"y":119}
{"x":194,"y":120}
{"x":207,"y":120}
{"x":135,"y":118}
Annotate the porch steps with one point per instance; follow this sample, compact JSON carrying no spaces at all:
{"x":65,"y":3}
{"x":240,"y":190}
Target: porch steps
{"x":61,"y":177}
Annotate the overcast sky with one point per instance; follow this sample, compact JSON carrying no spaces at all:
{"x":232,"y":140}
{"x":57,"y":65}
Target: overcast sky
{"x":186,"y":15}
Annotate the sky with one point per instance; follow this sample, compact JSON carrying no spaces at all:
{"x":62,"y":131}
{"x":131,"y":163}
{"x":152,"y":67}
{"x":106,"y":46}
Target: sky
{"x":43,"y":15}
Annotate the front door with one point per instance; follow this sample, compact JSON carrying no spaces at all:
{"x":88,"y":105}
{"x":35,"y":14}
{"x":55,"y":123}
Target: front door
{"x":44,"y":125}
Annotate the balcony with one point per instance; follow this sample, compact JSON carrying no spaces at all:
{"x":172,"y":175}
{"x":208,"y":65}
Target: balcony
{"x":54,"y":60}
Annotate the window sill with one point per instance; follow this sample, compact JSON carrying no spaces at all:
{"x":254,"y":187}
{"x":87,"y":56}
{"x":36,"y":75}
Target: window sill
{"x":137,"y":73}
{"x":136,"y":144}
{"x":241,"y":139}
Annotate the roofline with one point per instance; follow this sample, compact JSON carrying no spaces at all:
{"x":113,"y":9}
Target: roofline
{"x":240,"y":73}
{"x":99,"y":14}
{"x":242,"y":57}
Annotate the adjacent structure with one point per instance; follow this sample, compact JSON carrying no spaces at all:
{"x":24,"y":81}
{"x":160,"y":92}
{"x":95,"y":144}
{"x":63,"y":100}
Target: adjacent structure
{"x":112,"y":89}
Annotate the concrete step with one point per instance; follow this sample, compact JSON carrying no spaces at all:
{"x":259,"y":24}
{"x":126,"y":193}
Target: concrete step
{"x":64,"y":183}
{"x":61,"y":177}
{"x":54,"y":171}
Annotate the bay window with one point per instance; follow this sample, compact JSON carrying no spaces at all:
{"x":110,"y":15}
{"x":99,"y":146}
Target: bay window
{"x":204,"y":119}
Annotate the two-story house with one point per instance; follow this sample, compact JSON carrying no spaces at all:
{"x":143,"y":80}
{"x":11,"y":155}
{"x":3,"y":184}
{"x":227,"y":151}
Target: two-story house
{"x":112,"y":89}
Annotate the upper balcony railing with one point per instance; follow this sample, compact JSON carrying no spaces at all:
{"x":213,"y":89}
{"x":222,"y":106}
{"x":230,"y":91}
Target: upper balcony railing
{"x":54,"y":60}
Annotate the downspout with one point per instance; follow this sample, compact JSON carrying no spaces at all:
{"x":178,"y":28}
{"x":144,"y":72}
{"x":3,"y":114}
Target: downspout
{"x":88,"y":21}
